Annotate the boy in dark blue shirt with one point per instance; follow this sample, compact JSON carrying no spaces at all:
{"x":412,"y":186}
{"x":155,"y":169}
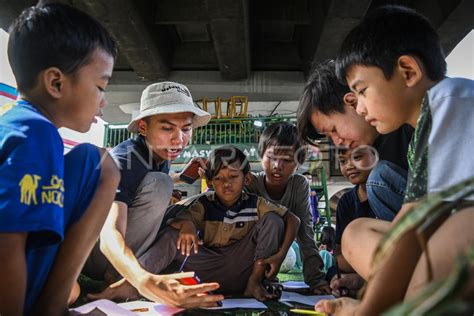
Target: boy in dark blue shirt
{"x":355,"y":165}
{"x":52,"y":206}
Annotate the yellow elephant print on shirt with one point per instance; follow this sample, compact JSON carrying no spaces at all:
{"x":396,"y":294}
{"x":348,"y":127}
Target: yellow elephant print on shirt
{"x":29,"y":184}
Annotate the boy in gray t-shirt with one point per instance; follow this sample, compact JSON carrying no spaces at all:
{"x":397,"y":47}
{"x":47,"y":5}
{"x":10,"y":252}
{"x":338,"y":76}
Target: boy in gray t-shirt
{"x":279,"y":149}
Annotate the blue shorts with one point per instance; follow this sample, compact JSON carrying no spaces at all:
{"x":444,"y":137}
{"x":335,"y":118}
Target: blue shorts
{"x":81,"y":176}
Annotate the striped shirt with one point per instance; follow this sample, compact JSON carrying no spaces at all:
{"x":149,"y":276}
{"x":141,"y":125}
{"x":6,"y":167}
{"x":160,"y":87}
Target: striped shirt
{"x":221,"y":226}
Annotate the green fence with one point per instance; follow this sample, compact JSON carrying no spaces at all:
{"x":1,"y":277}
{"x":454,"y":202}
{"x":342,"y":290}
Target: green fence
{"x":218,"y":131}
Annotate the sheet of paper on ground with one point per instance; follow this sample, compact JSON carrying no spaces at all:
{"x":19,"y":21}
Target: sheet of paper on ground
{"x":307,"y":300}
{"x":295,"y":285}
{"x":133,"y":308}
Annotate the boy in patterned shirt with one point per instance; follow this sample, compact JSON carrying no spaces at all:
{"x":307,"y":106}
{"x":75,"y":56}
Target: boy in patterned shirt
{"x":394,"y":63}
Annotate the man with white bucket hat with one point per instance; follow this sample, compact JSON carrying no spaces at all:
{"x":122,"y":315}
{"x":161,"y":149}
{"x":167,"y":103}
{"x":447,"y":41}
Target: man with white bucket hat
{"x":164,"y":126}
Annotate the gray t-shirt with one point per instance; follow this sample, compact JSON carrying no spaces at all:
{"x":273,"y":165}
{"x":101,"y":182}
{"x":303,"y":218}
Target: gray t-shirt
{"x":296,"y":196}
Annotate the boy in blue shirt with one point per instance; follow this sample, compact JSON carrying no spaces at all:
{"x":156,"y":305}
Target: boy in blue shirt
{"x":394,"y":63}
{"x":52,"y":206}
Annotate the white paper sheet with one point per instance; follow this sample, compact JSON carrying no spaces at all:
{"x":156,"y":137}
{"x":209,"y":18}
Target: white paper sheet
{"x":105,"y":306}
{"x":133,"y":308}
{"x":240,"y":303}
{"x":308,"y":300}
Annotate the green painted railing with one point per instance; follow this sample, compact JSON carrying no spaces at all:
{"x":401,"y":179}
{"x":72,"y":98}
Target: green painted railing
{"x":218,"y":131}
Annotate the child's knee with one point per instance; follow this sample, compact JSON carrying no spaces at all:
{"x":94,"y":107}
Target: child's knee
{"x":274,"y":221}
{"x":387,"y":175}
{"x":362,"y":231}
{"x":349,"y":237}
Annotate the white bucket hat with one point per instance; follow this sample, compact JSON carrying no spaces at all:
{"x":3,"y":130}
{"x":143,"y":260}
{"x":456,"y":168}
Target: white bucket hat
{"x":165,"y":98}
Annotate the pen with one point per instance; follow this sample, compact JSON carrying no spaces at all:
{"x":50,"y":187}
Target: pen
{"x":306,"y":312}
{"x":182,"y":264}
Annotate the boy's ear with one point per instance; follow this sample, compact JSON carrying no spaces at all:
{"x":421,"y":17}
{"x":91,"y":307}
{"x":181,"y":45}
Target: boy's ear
{"x":411,"y":69}
{"x":141,"y":127}
{"x":247,"y":179}
{"x":350,"y":99}
{"x":53,"y":81}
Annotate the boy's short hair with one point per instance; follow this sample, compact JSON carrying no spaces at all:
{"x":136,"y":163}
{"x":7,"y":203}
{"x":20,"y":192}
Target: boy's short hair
{"x":323,"y":93}
{"x":342,"y":151}
{"x":328,"y":237}
{"x":283,"y":135}
{"x":53,"y":35}
{"x":222,"y":157}
{"x":388,"y":33}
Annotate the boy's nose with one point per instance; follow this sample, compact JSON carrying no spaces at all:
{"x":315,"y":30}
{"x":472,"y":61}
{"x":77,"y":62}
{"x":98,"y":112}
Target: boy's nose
{"x":178,"y":137}
{"x":361,"y":109}
{"x":336,"y":139}
{"x":277,"y":164}
{"x":103,"y":103}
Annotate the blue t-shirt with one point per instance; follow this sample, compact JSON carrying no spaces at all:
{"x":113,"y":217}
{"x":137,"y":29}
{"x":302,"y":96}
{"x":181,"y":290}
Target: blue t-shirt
{"x":31,"y":188}
{"x":348,"y":209}
{"x":135,"y":161}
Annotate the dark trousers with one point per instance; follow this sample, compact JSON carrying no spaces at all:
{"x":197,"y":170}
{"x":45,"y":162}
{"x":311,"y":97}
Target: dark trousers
{"x":230,"y":266}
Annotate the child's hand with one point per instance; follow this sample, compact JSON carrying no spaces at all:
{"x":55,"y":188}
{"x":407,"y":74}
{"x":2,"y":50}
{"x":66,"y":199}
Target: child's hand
{"x":272,"y":264}
{"x":187,"y":240}
{"x":202,"y":166}
{"x":202,"y":172}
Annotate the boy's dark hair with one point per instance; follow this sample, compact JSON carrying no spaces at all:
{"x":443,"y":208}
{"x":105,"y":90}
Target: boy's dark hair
{"x":53,"y":35}
{"x":222,"y":157}
{"x":282,"y":135}
{"x":388,"y":33}
{"x":323,"y":93}
{"x":328,"y":237}
{"x":341,"y":150}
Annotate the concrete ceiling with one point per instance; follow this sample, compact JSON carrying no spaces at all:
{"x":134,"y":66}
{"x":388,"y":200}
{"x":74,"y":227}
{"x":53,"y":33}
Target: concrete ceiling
{"x":260,"y":48}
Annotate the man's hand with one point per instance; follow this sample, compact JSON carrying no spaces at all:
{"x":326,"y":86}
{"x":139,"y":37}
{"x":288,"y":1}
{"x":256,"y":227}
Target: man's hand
{"x":163,"y":289}
{"x":187,"y":239}
{"x":338,"y":307}
{"x":272,"y":264}
{"x":160,"y":288}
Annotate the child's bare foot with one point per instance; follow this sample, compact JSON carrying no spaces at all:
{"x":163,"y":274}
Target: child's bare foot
{"x":119,"y":291}
{"x":256,"y":289}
